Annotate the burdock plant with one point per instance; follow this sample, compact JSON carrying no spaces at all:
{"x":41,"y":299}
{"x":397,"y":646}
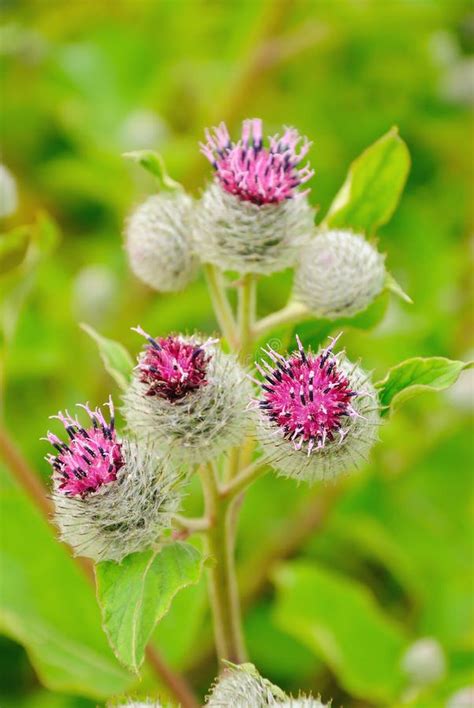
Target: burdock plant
{"x":259,"y":395}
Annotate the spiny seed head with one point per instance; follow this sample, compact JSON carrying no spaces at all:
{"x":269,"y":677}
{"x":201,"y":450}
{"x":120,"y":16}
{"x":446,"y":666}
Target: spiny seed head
{"x":254,"y":172}
{"x":187,"y":397}
{"x":252,"y":218}
{"x":339,"y":274}
{"x":159,"y":242}
{"x":241,"y":687}
{"x":318,"y":414}
{"x":112,"y":497}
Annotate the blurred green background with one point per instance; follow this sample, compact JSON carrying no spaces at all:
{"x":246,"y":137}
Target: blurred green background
{"x":83,"y":82}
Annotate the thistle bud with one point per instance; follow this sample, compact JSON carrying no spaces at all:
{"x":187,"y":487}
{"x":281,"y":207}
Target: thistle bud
{"x":318,"y":414}
{"x":424,"y":662}
{"x":188,"y":397}
{"x":339,"y":274}
{"x":253,"y":219}
{"x":464,"y":698}
{"x":243,"y":687}
{"x":111,"y":496}
{"x":8,"y":193}
{"x":159,"y":244}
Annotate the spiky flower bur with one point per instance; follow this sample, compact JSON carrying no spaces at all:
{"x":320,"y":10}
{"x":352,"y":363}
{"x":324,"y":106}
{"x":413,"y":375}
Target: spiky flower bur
{"x":159,"y":242}
{"x":424,"y":662}
{"x":112,"y":497}
{"x":241,"y":687}
{"x":253,"y":219}
{"x":187,"y":397}
{"x":339,"y":274}
{"x":318,"y":414}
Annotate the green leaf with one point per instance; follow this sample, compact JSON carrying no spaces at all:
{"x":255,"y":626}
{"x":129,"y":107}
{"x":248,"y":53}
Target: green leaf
{"x":153,"y":162}
{"x":339,"y":621}
{"x":137,"y":593}
{"x":392,"y":286}
{"x":116,"y":358}
{"x":48,"y":606}
{"x":13,"y":248}
{"x":178,"y":632}
{"x":416,"y":375}
{"x":373,"y":185}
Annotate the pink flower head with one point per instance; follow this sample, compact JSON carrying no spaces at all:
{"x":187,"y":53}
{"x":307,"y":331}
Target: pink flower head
{"x":91,"y":459}
{"x":172,"y":366}
{"x":254,"y":173}
{"x":307,"y":396}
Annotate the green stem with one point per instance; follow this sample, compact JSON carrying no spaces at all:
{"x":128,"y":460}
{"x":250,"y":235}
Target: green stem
{"x":232,"y":464}
{"x":292,"y":312}
{"x":247,"y":301}
{"x":190,"y":525}
{"x":221,"y":305}
{"x":243,"y":480}
{"x":222,"y":577}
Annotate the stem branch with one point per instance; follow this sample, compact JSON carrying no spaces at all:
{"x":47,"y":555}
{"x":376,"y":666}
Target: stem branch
{"x":247,"y":302}
{"x":244,"y":479}
{"x":292,"y":312}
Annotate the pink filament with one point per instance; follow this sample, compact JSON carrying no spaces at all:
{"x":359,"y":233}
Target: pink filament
{"x":306,"y":396}
{"x":92,"y":457}
{"x":172,"y":367}
{"x":254,"y":173}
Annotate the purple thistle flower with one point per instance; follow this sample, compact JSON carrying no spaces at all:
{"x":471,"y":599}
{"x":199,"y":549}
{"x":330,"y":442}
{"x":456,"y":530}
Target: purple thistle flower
{"x":318,"y":413}
{"x":91,"y":459}
{"x":187,"y":397}
{"x":254,"y":173}
{"x":307,"y":396}
{"x":172,"y":366}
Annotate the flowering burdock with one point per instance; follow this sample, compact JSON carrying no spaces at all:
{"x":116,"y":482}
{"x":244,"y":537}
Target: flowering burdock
{"x":318,"y":414}
{"x":253,"y":218}
{"x":187,"y":397}
{"x":158,"y":242}
{"x":339,"y":274}
{"x":111,"y":496}
{"x":188,"y":404}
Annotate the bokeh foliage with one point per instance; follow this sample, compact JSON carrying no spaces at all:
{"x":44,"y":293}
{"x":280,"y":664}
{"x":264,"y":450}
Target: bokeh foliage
{"x":82,"y":83}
